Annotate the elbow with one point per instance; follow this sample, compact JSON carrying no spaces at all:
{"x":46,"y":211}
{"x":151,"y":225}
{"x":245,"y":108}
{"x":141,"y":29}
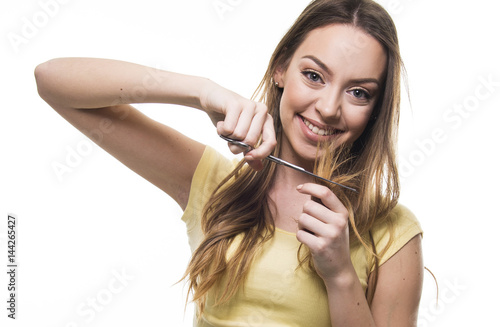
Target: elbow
{"x":47,"y":77}
{"x":42,"y":77}
{"x":41,"y":72}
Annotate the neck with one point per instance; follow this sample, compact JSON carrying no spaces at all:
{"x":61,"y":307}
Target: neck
{"x":288,"y":202}
{"x":288,"y":179}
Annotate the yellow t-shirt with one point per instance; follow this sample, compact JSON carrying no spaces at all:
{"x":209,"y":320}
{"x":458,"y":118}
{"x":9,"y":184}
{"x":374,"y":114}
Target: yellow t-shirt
{"x":276,"y":293}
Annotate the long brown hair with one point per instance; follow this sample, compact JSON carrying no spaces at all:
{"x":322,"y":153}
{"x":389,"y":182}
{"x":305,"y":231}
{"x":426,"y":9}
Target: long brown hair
{"x":241,"y":206}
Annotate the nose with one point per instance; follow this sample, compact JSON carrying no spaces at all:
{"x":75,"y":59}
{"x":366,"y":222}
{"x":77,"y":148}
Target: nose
{"x":329,"y":105}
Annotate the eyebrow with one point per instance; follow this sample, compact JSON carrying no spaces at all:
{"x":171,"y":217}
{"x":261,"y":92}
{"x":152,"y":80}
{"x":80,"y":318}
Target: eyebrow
{"x":319,"y":63}
{"x":325,"y":68}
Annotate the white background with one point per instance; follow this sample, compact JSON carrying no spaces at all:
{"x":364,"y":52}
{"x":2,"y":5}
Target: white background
{"x":76,"y":233}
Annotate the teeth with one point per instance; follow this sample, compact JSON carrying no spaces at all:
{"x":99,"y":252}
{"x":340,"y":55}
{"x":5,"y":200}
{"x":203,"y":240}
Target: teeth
{"x":316,"y":130}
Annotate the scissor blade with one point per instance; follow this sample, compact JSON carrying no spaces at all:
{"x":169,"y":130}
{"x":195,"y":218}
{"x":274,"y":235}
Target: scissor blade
{"x":290,"y":165}
{"x":284,"y":163}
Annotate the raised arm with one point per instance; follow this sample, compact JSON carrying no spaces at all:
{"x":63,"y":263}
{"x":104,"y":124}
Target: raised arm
{"x":91,"y":93}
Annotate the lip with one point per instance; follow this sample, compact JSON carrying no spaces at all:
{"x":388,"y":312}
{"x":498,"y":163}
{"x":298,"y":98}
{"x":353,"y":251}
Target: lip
{"x":315,"y":137}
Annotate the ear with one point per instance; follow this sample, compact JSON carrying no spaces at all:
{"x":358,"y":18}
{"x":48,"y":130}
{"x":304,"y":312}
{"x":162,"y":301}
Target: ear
{"x":278,"y":76}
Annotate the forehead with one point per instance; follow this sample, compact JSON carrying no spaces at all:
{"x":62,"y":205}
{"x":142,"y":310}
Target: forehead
{"x":345,"y":49}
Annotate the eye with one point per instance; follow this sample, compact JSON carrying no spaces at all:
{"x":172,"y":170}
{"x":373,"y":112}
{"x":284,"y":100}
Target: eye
{"x":360,"y":94}
{"x":313,"y":76}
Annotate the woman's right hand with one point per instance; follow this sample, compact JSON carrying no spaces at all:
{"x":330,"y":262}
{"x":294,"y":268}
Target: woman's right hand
{"x":241,"y":119}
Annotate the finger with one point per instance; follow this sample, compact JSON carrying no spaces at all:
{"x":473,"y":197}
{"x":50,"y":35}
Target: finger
{"x":327,"y":197}
{"x":257,"y":124}
{"x":256,"y":164}
{"x":306,"y":238}
{"x":318,"y":211}
{"x":245,"y":121}
{"x":268,"y":141}
{"x":232,"y":115}
{"x":311,"y":224}
{"x":236,"y":149}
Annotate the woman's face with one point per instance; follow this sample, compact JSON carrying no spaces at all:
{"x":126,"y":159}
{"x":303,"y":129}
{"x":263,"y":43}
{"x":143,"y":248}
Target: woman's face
{"x":329,"y":89}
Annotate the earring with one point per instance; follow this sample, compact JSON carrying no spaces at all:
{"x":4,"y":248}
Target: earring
{"x":276,"y":84}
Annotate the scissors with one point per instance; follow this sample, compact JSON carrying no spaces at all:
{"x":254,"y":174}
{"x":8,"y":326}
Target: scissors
{"x":283,"y":162}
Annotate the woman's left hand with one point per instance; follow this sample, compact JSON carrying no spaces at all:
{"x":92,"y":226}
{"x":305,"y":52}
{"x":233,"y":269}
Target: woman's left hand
{"x":324,"y":229}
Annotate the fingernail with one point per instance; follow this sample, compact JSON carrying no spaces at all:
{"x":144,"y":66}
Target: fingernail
{"x":299,"y":187}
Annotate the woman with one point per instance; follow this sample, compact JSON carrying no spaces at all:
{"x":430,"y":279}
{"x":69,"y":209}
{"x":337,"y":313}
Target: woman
{"x":270,"y":246}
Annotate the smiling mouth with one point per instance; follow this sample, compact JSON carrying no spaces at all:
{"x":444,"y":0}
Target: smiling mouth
{"x":321,"y":131}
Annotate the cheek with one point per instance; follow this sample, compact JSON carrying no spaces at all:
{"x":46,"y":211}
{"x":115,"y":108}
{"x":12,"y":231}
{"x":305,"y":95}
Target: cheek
{"x":295,"y":98}
{"x":357,"y":120}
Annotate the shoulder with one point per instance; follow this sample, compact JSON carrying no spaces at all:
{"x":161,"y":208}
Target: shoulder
{"x":211,"y":170}
{"x":392,"y":233}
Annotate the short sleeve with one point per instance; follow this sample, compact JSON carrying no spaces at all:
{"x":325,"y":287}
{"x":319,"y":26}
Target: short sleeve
{"x":404,"y":226}
{"x":211,"y":170}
